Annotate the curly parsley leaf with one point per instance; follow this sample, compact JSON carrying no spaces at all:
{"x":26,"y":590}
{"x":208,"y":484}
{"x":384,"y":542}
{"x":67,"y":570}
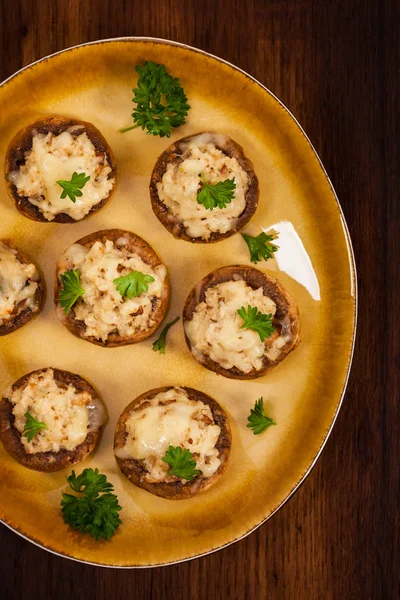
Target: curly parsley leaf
{"x":260,"y":246}
{"x":92,"y":483}
{"x":133,"y":284}
{"x":258,"y":420}
{"x":71,"y":289}
{"x":181,"y":463}
{"x":96,"y":509}
{"x":256,"y":321}
{"x":160,"y":101}
{"x":32,"y":426}
{"x":72,"y":188}
{"x":159,"y":344}
{"x":216,"y":195}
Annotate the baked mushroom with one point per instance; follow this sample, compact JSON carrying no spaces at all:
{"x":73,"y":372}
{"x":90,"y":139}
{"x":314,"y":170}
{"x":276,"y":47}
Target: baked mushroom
{"x":240,"y":322}
{"x":111,"y":288}
{"x":185,"y":427}
{"x":21,"y":288}
{"x":59,"y":169}
{"x":50,"y":419}
{"x":187,"y":191}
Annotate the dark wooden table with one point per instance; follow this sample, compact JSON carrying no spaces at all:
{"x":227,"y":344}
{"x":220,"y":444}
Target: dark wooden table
{"x":335,"y":65}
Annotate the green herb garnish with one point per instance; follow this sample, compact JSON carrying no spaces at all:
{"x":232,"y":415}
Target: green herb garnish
{"x":32,"y":426}
{"x":133,"y":284}
{"x":96,"y":509}
{"x":159,"y":344}
{"x":260,"y":246}
{"x":258,"y":420}
{"x":160,"y":101}
{"x":216,"y":195}
{"x":256,"y":321}
{"x":181,"y":463}
{"x":71,"y":290}
{"x":72,"y":188}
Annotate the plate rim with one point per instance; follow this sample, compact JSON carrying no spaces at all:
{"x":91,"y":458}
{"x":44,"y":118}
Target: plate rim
{"x":353,"y":283}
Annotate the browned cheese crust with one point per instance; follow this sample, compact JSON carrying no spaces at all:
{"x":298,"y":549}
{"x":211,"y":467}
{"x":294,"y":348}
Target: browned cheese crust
{"x":173,"y":154}
{"x":22,"y":143}
{"x":17,"y":320}
{"x":287,"y":314}
{"x":146,"y":253}
{"x":45,"y":461}
{"x":175,"y":490}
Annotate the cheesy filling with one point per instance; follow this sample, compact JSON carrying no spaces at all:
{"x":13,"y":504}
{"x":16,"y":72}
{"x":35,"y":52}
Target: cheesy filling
{"x":215,"y":328}
{"x":171,"y":419}
{"x":102,"y":308}
{"x":68,"y":414}
{"x":18,"y":284}
{"x":55,"y":158}
{"x":181,"y":182}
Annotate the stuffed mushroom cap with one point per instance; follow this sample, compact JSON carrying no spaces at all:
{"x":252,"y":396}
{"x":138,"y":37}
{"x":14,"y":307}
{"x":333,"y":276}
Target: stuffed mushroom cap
{"x":219,"y":333}
{"x":50,"y":419}
{"x":124,"y":288}
{"x":186,"y":168}
{"x":21,"y":288}
{"x":59,"y":170}
{"x":173,"y":420}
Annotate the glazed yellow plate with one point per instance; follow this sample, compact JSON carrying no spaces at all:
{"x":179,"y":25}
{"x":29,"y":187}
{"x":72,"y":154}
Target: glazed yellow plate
{"x":93,"y":82}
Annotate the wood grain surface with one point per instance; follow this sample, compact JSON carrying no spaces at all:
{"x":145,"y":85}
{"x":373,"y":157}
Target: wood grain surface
{"x":335,"y":65}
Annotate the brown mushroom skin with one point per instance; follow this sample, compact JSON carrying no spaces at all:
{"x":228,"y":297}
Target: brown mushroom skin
{"x":173,"y":153}
{"x":286,"y":310}
{"x":20,"y":319}
{"x":47,"y":462}
{"x":147,"y":254}
{"x":22,"y":143}
{"x":135,"y":471}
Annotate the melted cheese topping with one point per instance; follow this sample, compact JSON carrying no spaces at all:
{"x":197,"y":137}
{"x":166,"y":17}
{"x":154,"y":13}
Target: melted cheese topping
{"x":57,"y":157}
{"x":215,"y":329}
{"x":68,"y":414}
{"x":102,"y":308}
{"x":171,"y":418}
{"x":181,"y":182}
{"x":18,"y":284}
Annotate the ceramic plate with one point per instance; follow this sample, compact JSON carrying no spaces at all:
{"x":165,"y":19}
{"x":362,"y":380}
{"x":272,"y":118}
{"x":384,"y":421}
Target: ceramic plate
{"x":93,"y":82}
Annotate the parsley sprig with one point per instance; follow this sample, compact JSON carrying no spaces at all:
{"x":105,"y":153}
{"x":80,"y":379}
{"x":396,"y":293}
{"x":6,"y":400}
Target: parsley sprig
{"x":71,"y":289}
{"x":216,"y":195}
{"x":72,"y":188}
{"x":181,"y":463}
{"x":159,"y":344}
{"x":133,"y":284}
{"x":95,"y":510}
{"x":260,"y":246}
{"x":160,"y":101}
{"x":258,"y":420}
{"x":32,"y":426}
{"x":256,"y":321}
